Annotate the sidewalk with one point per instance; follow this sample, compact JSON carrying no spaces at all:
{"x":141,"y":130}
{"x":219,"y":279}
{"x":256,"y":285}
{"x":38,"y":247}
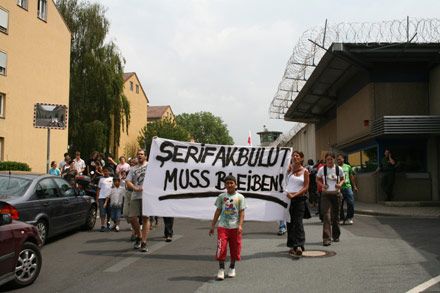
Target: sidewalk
{"x":404,"y":210}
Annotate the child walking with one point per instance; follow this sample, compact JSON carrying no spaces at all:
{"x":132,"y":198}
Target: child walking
{"x":115,"y":198}
{"x":230,"y":209}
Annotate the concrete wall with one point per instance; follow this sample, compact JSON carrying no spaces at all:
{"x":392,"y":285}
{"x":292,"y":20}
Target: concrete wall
{"x":367,"y":184}
{"x":352,"y":113}
{"x":325,"y":137}
{"x":304,"y":140}
{"x":38,"y":69}
{"x":408,"y":98}
{"x":138,"y":111}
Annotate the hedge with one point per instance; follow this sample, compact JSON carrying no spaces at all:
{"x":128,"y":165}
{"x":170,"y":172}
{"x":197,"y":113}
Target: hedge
{"x":14,"y":166}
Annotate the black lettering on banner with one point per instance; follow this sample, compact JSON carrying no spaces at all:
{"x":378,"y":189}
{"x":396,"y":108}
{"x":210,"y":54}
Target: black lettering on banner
{"x":230,"y":156}
{"x":220,"y":180}
{"x":178,"y":156}
{"x":256,"y":180}
{"x":163,"y":148}
{"x":241,"y":182}
{"x":170,"y":177}
{"x":242,"y":156}
{"x":286,"y":151}
{"x":254,"y":156}
{"x":221,"y":155}
{"x":194,"y":176}
{"x":248,"y":187}
{"x":192,"y":152}
{"x":209,"y":151}
{"x":204,"y":175}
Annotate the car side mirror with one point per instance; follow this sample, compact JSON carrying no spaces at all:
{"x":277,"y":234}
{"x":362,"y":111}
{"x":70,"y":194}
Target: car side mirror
{"x":5,"y":219}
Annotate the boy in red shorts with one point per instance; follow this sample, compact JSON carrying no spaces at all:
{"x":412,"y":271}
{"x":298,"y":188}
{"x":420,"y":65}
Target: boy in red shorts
{"x":230,"y":209}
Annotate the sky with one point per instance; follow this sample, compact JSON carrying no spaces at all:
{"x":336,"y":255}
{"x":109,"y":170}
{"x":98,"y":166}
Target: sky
{"x":228,"y":56}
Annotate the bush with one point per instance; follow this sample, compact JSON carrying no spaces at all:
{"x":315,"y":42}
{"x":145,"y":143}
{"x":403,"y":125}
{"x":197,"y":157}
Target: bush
{"x":14,"y":166}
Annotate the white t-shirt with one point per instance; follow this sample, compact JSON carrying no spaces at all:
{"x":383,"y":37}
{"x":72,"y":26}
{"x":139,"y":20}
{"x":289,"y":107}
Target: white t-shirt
{"x":331,"y":177}
{"x":79,"y":165}
{"x":105,"y":186}
{"x":116,"y":196}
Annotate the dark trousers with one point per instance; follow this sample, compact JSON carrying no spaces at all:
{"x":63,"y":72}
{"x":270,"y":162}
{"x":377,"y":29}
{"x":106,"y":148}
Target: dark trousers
{"x":168,"y":223}
{"x":330,"y":203}
{"x":295,"y":229}
{"x":388,"y":184}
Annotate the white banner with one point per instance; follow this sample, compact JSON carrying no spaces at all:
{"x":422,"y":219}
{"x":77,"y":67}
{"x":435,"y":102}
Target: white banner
{"x":183,"y":179}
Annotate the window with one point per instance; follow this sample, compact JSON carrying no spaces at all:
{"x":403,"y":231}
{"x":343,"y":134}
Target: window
{"x":131,"y":86}
{"x":2,"y":144}
{"x":137,"y":89}
{"x":4,"y":20}
{"x":2,"y":105}
{"x":23,"y":4}
{"x":65,"y":188}
{"x":46,"y":188}
{"x":3,"y":60}
{"x":42,"y":9}
{"x":364,"y":160}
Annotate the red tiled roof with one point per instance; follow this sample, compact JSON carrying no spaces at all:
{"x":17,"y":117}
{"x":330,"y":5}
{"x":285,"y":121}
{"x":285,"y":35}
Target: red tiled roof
{"x":127,"y":75}
{"x":156,"y":112}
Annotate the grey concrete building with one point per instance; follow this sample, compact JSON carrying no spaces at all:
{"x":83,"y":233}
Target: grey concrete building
{"x":364,"y":98}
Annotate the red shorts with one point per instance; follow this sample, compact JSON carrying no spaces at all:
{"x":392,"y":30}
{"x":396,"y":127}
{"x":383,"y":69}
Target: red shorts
{"x":225,"y":235}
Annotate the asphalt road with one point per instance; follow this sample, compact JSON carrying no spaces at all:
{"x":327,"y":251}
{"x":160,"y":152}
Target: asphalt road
{"x":376,"y":254}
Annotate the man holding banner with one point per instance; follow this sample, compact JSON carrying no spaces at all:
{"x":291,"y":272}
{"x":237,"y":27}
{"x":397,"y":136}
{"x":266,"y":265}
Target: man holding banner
{"x":135,"y":182}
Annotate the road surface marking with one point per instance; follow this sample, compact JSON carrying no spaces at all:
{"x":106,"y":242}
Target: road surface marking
{"x":425,"y":285}
{"x":136,"y":255}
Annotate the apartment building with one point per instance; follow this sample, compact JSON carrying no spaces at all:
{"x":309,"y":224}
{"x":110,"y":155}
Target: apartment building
{"x":34,"y":69}
{"x":138,"y":99}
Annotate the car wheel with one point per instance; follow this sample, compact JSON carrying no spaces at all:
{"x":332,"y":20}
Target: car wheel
{"x":42,"y":229}
{"x":28,"y":265}
{"x":91,"y":219}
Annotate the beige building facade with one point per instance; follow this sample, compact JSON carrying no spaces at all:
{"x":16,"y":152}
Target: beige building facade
{"x":34,"y":68}
{"x":138,"y":100}
{"x":156,"y":113}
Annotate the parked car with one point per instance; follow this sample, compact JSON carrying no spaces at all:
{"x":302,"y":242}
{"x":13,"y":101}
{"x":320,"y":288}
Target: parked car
{"x":47,"y":202}
{"x":20,"y":257}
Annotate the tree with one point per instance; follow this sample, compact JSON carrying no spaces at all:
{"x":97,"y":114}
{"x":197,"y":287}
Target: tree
{"x":96,"y":79}
{"x":204,"y":127}
{"x":164,"y":128}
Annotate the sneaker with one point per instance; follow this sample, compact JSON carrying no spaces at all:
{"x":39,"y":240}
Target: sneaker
{"x":168,"y":239}
{"x":281,"y":232}
{"x":336,"y":240}
{"x":292,"y":252}
{"x":137,"y":243}
{"x":350,"y":222}
{"x":231,"y":273}
{"x":298,"y":251}
{"x":327,"y":243}
{"x":221,"y":274}
{"x":102,"y":229}
{"x":144,"y":247}
{"x":117,"y":228}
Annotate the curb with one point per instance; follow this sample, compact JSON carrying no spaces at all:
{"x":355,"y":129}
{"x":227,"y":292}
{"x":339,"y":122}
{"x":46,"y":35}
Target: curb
{"x":389,"y":214}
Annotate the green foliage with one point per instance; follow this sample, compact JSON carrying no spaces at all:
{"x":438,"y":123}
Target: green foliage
{"x":96,"y":78}
{"x":164,"y":128}
{"x":14,"y":166}
{"x":93,"y":131}
{"x":204,"y":127}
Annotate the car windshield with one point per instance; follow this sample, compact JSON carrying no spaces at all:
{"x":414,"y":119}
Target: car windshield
{"x":13,"y":186}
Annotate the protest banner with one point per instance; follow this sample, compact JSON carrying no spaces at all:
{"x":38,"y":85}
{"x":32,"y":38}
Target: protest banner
{"x":183,"y":179}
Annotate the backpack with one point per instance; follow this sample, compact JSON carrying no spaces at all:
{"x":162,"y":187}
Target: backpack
{"x":325,"y":174}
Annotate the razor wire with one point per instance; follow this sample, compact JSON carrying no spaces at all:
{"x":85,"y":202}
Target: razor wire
{"x":312,"y":46}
